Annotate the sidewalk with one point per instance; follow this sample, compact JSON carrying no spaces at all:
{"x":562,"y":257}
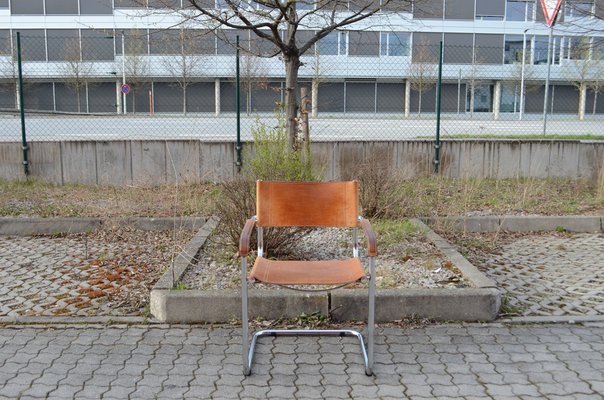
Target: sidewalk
{"x":470,"y":361}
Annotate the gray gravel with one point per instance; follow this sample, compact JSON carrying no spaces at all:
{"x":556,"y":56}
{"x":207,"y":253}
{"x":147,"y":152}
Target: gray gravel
{"x":395,"y":269}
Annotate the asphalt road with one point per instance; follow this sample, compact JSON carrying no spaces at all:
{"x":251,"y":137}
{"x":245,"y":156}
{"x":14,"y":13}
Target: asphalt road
{"x":224,"y":128}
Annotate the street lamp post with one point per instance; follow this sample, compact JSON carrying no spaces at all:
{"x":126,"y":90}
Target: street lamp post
{"x":522,"y":74}
{"x":124,"y":74}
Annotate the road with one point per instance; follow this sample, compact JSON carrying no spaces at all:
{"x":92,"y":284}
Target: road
{"x":325,"y":128}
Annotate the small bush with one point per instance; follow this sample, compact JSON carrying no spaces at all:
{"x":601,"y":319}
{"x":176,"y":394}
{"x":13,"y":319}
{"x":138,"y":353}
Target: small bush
{"x":378,"y":189}
{"x":272,"y":160}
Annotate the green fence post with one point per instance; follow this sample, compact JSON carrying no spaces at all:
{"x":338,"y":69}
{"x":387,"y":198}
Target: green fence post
{"x":238,"y":108}
{"x":22,"y":107}
{"x":438,"y":89}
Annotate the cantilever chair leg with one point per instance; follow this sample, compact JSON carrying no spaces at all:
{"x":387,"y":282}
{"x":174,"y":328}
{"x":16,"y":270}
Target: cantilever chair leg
{"x":370,"y":317}
{"x":247,"y":362}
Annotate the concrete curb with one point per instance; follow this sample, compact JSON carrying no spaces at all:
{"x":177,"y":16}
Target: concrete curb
{"x":54,"y":226}
{"x":186,"y":256}
{"x":480,"y":303}
{"x":515,"y":223}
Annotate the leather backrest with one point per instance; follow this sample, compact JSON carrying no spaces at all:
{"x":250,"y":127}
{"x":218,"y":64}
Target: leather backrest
{"x":312,"y":204}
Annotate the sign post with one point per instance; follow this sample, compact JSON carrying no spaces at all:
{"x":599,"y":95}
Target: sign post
{"x":550,"y":10}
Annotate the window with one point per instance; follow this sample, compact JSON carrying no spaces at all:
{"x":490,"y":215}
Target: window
{"x":199,"y":41}
{"x":173,"y":4}
{"x":305,"y":5}
{"x":62,"y":7}
{"x":96,"y":7}
{"x":363,"y":43}
{"x":513,"y":49}
{"x":5,"y":45}
{"x":578,"y":48}
{"x":459,"y":9}
{"x":428,"y":9}
{"x":488,"y":49}
{"x":540,"y":49}
{"x":302,"y":37}
{"x":490,"y":10}
{"x":33,"y":44}
{"x":398,"y":6}
{"x":227,"y":39}
{"x":165,"y":42}
{"x":458,"y":48}
{"x":519,"y":10}
{"x":333,"y":44}
{"x":578,"y":8}
{"x":135,"y":42}
{"x":97,"y":45}
{"x":126,"y":4}
{"x":27,"y":7}
{"x":63,"y":45}
{"x":358,"y":5}
{"x":425,"y":47}
{"x":480,"y":97}
{"x":3,"y":3}
{"x":395,"y":44}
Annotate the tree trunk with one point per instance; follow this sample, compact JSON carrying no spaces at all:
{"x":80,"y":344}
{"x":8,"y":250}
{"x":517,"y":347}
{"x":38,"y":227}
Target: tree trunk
{"x":292,"y":65}
{"x":184,"y":99}
{"x":78,"y":97}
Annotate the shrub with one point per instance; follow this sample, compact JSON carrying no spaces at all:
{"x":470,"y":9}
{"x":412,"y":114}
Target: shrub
{"x":273,"y":160}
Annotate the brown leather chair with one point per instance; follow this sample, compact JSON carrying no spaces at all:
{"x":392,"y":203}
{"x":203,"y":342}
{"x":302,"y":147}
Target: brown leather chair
{"x":307,"y":204}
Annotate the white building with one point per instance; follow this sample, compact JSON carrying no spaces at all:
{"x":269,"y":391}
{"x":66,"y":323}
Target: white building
{"x":73,"y":48}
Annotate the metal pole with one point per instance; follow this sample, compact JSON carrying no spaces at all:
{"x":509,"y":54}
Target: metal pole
{"x":549,"y":67}
{"x":238,"y":108}
{"x":124,"y":73}
{"x":522,"y":75}
{"x":438,"y":90}
{"x":22,"y":107}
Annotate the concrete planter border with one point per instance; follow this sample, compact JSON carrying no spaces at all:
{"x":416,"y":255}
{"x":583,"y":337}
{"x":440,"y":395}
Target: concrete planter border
{"x":478,"y":303}
{"x":514,"y":223}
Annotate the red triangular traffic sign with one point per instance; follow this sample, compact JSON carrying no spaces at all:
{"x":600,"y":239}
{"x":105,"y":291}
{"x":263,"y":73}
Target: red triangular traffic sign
{"x":550,"y":9}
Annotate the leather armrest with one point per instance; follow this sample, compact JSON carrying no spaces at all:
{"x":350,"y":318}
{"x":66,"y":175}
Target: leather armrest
{"x":370,"y":236}
{"x":244,"y":239}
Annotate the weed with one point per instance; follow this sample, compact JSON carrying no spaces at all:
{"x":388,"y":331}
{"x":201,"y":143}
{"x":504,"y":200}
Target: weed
{"x":312,"y":320}
{"x":181,"y":286}
{"x":392,"y":232}
{"x":507,"y":308}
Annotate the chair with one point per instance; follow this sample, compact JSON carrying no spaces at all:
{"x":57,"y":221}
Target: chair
{"x":307,"y":204}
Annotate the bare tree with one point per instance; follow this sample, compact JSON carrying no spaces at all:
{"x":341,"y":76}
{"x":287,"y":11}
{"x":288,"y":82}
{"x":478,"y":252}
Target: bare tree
{"x":268,"y":19}
{"x":136,"y":63}
{"x":77,"y":72}
{"x":185,"y":63}
{"x":596,"y":84}
{"x":252,"y":75}
{"x":422,"y":71}
{"x":9,"y":73}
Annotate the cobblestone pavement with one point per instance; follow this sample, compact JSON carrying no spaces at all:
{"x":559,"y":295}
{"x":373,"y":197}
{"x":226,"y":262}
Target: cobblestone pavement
{"x":443,"y":361}
{"x":551,"y":275}
{"x":63,"y":276}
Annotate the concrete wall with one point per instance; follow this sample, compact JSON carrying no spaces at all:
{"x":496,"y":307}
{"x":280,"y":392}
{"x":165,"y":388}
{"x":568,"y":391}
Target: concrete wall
{"x":156,"y":162}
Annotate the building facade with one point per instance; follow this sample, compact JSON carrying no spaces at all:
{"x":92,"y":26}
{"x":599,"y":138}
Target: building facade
{"x":76,"y":54}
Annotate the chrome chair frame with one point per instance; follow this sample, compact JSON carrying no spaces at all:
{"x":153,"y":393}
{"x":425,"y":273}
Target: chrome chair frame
{"x":249,"y":348}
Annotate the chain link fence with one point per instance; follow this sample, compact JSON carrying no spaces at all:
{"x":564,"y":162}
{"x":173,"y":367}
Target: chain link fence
{"x":362,"y":85}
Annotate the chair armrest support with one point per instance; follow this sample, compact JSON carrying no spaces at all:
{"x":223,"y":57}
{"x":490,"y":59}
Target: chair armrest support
{"x":244,"y":239}
{"x":370,"y":236}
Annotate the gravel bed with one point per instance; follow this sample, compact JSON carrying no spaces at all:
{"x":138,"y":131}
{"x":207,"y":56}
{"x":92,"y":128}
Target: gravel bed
{"x":412,"y":263}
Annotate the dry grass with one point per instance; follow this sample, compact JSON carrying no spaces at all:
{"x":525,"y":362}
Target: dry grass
{"x":433,"y":196}
{"x":37,"y":199}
